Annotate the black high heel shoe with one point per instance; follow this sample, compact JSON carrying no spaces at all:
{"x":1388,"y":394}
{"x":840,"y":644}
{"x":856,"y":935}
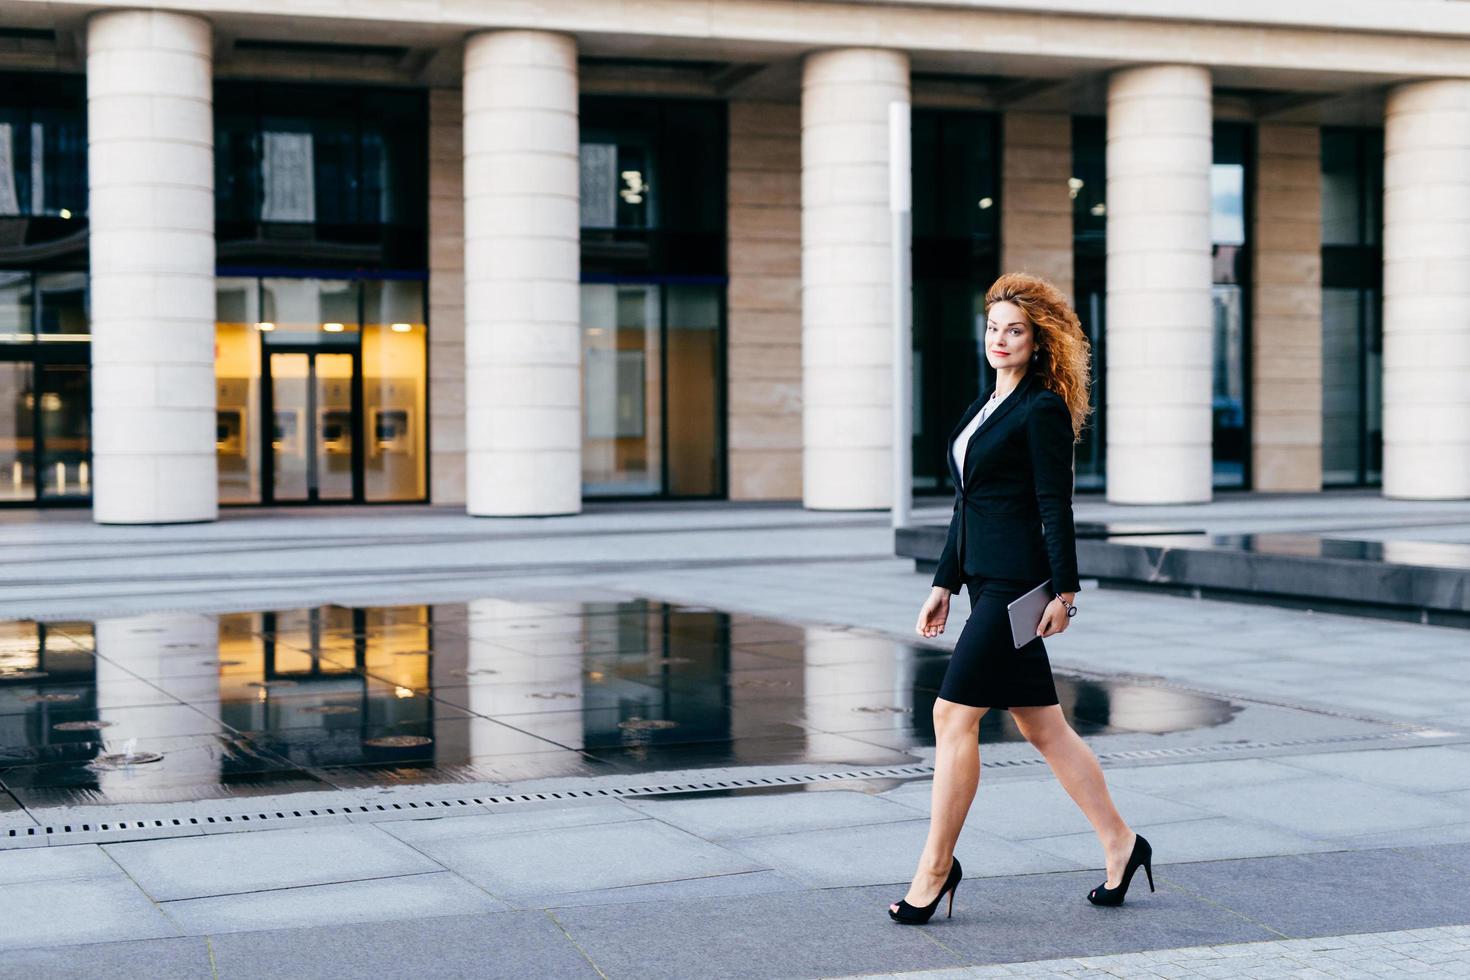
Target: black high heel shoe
{"x":1143,"y":854}
{"x":916,"y":915}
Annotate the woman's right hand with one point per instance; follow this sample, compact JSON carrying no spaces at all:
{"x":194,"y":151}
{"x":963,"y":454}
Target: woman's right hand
{"x":934,"y":613}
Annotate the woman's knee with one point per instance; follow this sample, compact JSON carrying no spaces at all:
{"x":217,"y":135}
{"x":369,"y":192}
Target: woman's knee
{"x":1042,"y":726}
{"x":954,"y":719}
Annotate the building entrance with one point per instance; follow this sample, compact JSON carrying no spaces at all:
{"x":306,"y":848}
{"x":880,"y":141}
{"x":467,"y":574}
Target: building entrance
{"x":311,"y":412}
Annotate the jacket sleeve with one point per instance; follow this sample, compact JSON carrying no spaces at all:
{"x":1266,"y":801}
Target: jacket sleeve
{"x":948,"y":572}
{"x":1049,"y":437}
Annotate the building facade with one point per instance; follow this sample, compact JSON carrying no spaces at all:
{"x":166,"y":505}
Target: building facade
{"x":517,"y":256}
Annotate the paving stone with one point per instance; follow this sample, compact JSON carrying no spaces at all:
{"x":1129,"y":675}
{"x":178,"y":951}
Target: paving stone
{"x":149,"y":959}
{"x":224,"y":864}
{"x":68,"y":911}
{"x":460,"y":947}
{"x":408,"y":896}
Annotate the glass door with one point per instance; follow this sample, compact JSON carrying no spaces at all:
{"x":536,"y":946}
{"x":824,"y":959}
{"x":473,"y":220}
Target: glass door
{"x":313,"y":408}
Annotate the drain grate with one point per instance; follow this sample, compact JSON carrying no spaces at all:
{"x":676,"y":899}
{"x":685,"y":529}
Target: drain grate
{"x":123,"y":829}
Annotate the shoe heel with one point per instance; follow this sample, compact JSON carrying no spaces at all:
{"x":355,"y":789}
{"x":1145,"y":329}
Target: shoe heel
{"x":956,"y":888}
{"x":1148,"y":869}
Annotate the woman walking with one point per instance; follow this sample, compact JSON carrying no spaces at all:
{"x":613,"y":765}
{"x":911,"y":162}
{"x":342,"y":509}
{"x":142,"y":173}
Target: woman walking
{"x":1010,"y":458}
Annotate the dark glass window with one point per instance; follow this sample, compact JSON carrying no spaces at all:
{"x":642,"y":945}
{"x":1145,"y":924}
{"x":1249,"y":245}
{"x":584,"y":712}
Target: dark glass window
{"x":43,"y":171}
{"x":1232,"y":176}
{"x":653,"y":174}
{"x":1088,"y":187}
{"x":1352,"y":306}
{"x":320,"y":175}
{"x":956,"y":241}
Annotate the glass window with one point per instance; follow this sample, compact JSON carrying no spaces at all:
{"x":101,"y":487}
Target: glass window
{"x":1352,"y":272}
{"x":62,"y":301}
{"x":1230,"y":217}
{"x":237,"y":389}
{"x":694,"y":409}
{"x":956,"y":179}
{"x":43,"y":146}
{"x":310,"y":311}
{"x":16,"y":324}
{"x":64,"y":425}
{"x":17,"y":440}
{"x":394,"y":370}
{"x":622,"y":445}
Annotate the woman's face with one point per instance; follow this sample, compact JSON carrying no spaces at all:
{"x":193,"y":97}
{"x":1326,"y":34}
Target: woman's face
{"x":1007,"y":336}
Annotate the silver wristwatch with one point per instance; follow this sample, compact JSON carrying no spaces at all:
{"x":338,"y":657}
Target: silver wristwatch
{"x":1071,"y":609}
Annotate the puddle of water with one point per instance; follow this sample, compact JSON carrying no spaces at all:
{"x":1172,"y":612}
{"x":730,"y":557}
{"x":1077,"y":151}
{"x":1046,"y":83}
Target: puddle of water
{"x":492,"y":689}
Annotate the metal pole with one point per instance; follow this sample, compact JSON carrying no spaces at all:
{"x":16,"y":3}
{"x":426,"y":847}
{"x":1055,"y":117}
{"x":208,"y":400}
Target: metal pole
{"x":900,"y":204}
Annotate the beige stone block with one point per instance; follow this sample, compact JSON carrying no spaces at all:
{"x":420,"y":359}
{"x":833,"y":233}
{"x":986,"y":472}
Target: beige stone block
{"x":1289,"y":202}
{"x":764,"y":432}
{"x":765,"y":474}
{"x":765,"y":153}
{"x":1277,"y":140}
{"x":447,"y":477}
{"x":446,"y":360}
{"x":1028,"y":196}
{"x":1037,"y":129}
{"x":1027,"y":229}
{"x":763,"y":258}
{"x":774,"y":327}
{"x":765,"y":222}
{"x":1291,"y":269}
{"x":764,"y":187}
{"x":771,"y":362}
{"x":1289,"y":236}
{"x":1302,"y":173}
{"x":1275,"y":397}
{"x":1282,"y":469}
{"x":766,"y":293}
{"x":765,"y":397}
{"x":764,"y":119}
{"x":1037,"y":163}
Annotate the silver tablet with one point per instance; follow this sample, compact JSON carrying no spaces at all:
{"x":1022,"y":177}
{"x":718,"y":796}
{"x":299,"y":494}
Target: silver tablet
{"x":1025,"y":612}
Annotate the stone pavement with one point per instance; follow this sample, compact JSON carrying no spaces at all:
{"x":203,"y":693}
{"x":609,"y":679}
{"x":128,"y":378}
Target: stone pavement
{"x":1288,"y":850}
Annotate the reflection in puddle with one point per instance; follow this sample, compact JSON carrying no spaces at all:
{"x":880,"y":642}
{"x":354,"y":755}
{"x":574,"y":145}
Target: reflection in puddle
{"x":489,"y":690}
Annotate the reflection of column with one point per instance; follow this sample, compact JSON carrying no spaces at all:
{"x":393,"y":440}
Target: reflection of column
{"x":523,"y":413}
{"x":517,"y":676}
{"x":142,"y":646}
{"x":847,"y":345}
{"x":1426,"y":290}
{"x":1160,"y":340}
{"x":150,"y":167}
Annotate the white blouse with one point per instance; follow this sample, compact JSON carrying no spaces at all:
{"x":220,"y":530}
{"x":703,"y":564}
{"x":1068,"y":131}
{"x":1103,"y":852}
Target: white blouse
{"x":962,"y":441}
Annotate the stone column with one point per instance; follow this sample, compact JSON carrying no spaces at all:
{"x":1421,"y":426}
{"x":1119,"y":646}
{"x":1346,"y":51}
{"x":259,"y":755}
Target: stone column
{"x":847,"y":346}
{"x":1286,"y":310}
{"x":523,"y":411}
{"x":1426,"y":290}
{"x":150,"y":178}
{"x":1160,"y":342}
{"x":1036,"y":207}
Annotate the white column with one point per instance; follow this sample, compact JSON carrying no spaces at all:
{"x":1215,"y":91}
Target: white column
{"x":1426,"y":291}
{"x":1160,"y":339}
{"x":523,"y":411}
{"x":846,"y":336}
{"x":150,"y":176}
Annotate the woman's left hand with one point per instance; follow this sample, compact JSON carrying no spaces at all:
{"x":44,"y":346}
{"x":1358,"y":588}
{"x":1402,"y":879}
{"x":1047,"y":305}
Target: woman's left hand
{"x":1055,"y":620}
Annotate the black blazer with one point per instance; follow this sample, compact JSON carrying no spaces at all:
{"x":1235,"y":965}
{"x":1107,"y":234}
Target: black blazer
{"x":1013,"y":517}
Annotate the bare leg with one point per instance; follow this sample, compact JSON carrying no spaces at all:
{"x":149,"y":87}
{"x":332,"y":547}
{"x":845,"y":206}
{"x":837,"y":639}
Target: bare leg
{"x":1077,"y":769}
{"x":956,"y":777}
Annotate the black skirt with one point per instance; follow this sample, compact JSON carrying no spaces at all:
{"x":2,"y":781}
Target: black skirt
{"x":986,"y":669}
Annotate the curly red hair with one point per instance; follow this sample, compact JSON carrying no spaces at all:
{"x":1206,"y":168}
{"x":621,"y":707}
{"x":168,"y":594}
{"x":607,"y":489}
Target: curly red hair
{"x":1063,"y":352}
